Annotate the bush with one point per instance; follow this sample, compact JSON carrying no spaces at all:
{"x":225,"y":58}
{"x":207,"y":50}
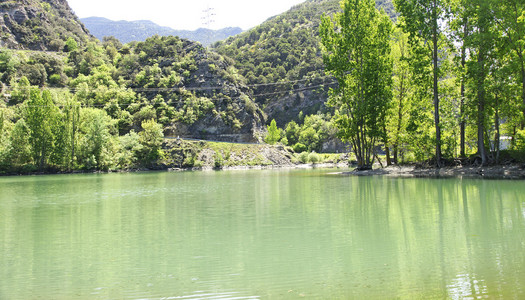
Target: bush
{"x":55,"y":79}
{"x":219,"y":161}
{"x":313,"y":158}
{"x":303,"y":157}
{"x":298,"y":148}
{"x":189,"y":161}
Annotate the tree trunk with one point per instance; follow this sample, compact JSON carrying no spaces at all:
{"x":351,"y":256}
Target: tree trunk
{"x":436,"y":89}
{"x":497,"y":134}
{"x":481,"y":109}
{"x":388,"y":159}
{"x":396,"y":151}
{"x":462,"y":103}
{"x":523,"y":90}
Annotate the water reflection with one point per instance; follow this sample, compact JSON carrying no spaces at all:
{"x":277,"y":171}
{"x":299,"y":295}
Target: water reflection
{"x":263,"y":234}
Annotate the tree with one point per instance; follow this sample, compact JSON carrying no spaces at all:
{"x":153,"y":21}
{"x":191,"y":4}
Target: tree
{"x":510,"y":19}
{"x":151,"y":138}
{"x":20,"y":144}
{"x":21,"y":91}
{"x":482,"y":43}
{"x":274,"y":134}
{"x":402,"y":89}
{"x":421,"y":20}
{"x":71,"y":45}
{"x":356,"y":51}
{"x":39,"y":115}
{"x":94,"y":138}
{"x":460,"y":27}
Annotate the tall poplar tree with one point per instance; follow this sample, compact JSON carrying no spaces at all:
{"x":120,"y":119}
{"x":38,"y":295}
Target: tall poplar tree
{"x":510,"y":18}
{"x":421,"y":20}
{"x":39,"y":116}
{"x":356,"y":51}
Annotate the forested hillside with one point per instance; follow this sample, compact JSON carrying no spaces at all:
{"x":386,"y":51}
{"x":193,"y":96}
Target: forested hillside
{"x":286,"y":49}
{"x":100,"y":106}
{"x":131,"y":31}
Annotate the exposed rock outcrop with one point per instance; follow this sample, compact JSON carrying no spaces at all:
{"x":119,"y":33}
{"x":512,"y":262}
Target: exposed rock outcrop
{"x":39,"y":25}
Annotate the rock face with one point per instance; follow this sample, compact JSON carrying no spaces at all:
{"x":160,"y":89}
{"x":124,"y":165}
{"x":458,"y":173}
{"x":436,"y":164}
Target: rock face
{"x":39,"y":25}
{"x":236,"y":117}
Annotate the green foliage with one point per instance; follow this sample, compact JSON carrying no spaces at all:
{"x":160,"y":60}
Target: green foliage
{"x":71,"y":45}
{"x":298,"y":148}
{"x":42,"y":118}
{"x":313,"y":158}
{"x":151,"y":138}
{"x":356,"y":52}
{"x":95,"y":134}
{"x":274,"y":133}
{"x":218,"y":160}
{"x":130,"y":151}
{"x":520,"y":140}
{"x":8,"y":65}
{"x":303,"y":157}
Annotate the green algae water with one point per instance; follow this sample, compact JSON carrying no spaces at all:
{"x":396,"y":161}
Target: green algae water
{"x":260,"y":234}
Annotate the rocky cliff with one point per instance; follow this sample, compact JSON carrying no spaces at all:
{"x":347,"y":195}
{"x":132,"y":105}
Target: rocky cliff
{"x":39,"y":25}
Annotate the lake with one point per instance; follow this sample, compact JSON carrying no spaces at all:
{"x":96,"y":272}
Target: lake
{"x":268,"y":234}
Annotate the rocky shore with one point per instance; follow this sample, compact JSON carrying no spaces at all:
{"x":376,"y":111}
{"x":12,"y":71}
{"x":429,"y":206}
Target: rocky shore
{"x":511,"y":171}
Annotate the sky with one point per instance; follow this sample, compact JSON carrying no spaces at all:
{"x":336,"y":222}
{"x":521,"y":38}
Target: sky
{"x":185,"y":14}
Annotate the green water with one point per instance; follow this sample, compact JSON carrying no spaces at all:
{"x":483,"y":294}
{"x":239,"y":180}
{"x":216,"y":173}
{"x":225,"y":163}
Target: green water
{"x":260,"y":234}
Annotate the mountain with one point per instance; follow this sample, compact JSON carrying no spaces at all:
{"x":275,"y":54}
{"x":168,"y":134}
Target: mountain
{"x":39,"y":25}
{"x":128,"y":31}
{"x":286,"y":49}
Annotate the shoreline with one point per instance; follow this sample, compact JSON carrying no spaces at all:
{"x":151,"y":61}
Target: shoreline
{"x":512,"y":171}
{"x":190,"y":169}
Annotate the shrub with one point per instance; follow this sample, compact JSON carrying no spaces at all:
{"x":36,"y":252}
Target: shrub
{"x":55,"y":79}
{"x":189,"y":161}
{"x":303,"y":157}
{"x":219,"y":161}
{"x":313,"y":158}
{"x":298,"y":148}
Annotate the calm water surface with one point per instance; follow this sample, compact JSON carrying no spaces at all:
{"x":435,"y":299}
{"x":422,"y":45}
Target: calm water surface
{"x":260,"y":234}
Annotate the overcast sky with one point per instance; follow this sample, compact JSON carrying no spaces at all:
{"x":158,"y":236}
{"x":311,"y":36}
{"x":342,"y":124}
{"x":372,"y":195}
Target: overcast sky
{"x":187,"y":14}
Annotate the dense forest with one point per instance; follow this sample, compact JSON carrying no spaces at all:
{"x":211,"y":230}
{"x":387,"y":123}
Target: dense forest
{"x":438,"y":81}
{"x":458,"y":84}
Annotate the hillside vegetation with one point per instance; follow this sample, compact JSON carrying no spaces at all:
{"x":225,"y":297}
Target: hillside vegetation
{"x":286,"y":48}
{"x":39,"y":25}
{"x":94,"y":106}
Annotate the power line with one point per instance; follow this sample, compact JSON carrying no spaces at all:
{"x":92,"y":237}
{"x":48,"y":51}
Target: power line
{"x":294,"y":91}
{"x":177,"y":89}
